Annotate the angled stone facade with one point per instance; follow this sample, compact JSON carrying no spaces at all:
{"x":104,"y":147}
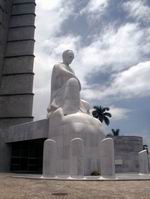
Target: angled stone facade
{"x":5,"y":7}
{"x":126,"y":153}
{"x":16,"y":61}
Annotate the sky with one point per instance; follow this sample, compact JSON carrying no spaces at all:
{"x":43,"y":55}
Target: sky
{"x":111,"y":42}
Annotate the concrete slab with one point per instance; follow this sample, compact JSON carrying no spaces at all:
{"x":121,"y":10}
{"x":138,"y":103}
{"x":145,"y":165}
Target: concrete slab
{"x":117,"y":177}
{"x":28,"y":131}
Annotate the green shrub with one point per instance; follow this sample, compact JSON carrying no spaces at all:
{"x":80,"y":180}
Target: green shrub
{"x":95,"y":173}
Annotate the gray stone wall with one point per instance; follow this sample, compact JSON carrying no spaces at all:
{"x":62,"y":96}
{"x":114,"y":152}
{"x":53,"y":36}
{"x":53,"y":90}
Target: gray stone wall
{"x":23,"y":132}
{"x":5,"y":153}
{"x":5,"y":6}
{"x":16,"y":67}
{"x":28,"y":131}
{"x":126,"y":153}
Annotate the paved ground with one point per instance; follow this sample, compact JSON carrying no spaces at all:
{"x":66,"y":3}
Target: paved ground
{"x":18,"y":188}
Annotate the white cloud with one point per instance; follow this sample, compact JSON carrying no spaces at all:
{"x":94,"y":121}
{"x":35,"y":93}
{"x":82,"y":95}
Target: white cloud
{"x":131,"y":83}
{"x":49,"y":5}
{"x":137,"y":9}
{"x":64,"y":42}
{"x":134,"y":82}
{"x":94,"y":10}
{"x":112,"y":51}
{"x":50,"y":16}
{"x":113,"y":48}
{"x":96,"y":6}
{"x":119,"y":113}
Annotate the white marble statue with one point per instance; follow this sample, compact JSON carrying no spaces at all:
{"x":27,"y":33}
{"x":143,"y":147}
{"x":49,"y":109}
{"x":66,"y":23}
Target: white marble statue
{"x":66,"y":87}
{"x":74,"y":134}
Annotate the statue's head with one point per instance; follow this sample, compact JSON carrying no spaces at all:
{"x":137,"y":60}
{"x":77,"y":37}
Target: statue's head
{"x":68,"y":57}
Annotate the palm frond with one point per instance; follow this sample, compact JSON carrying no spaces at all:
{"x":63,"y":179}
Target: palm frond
{"x":106,"y":120}
{"x":107,"y":114}
{"x":101,"y":113}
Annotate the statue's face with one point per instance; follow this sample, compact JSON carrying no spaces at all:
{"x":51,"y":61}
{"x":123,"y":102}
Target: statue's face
{"x":68,"y":57}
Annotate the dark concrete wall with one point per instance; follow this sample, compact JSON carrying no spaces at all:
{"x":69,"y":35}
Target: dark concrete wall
{"x":5,"y":7}
{"x":5,"y":153}
{"x":16,"y":69}
{"x":16,"y":65}
{"x":126,"y":153}
{"x":23,"y":132}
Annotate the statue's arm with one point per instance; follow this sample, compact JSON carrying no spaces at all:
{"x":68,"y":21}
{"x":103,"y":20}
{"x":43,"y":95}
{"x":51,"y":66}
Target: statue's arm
{"x":59,"y":70}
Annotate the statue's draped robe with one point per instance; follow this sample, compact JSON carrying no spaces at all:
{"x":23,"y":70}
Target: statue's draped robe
{"x":60,"y":76}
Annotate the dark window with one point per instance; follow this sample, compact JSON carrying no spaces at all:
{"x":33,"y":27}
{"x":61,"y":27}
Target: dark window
{"x":27,"y":156}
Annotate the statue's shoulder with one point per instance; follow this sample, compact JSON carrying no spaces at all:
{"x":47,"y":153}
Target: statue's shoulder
{"x":58,"y":67}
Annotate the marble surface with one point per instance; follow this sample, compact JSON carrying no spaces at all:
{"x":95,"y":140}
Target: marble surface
{"x":63,"y":129}
{"x":49,"y":158}
{"x":117,"y":177}
{"x":77,"y":157}
{"x":107,"y":157}
{"x":143,"y":162}
{"x":70,"y":124}
{"x":66,"y":87}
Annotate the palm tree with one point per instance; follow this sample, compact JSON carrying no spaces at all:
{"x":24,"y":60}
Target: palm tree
{"x":145,"y":147}
{"x":102,"y":114}
{"x":115,"y":132}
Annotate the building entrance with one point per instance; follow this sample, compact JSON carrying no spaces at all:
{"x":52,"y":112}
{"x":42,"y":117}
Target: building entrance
{"x":27,"y":156}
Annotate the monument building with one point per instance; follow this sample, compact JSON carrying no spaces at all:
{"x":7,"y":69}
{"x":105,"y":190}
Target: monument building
{"x":17,"y":28}
{"x":69,"y":141}
{"x":16,"y":61}
{"x":126,"y":153}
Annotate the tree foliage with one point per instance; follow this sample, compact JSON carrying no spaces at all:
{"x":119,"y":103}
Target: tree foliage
{"x":115,"y":132}
{"x":102,"y":113}
{"x":145,"y":147}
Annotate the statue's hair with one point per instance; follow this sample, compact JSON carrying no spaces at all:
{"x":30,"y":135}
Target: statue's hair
{"x":65,"y":52}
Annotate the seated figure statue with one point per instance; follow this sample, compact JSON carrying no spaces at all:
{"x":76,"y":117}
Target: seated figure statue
{"x":65,"y":88}
{"x":74,"y":135}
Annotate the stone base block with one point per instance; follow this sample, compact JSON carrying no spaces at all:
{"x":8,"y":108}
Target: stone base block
{"x":107,"y":157}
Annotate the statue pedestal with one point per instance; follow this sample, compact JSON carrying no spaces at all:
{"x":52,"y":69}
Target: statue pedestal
{"x":63,"y":130}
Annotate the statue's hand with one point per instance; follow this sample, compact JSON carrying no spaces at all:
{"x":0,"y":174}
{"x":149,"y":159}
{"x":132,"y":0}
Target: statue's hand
{"x":84,"y":106}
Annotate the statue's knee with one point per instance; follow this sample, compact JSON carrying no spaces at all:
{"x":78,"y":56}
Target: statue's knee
{"x":72,"y":82}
